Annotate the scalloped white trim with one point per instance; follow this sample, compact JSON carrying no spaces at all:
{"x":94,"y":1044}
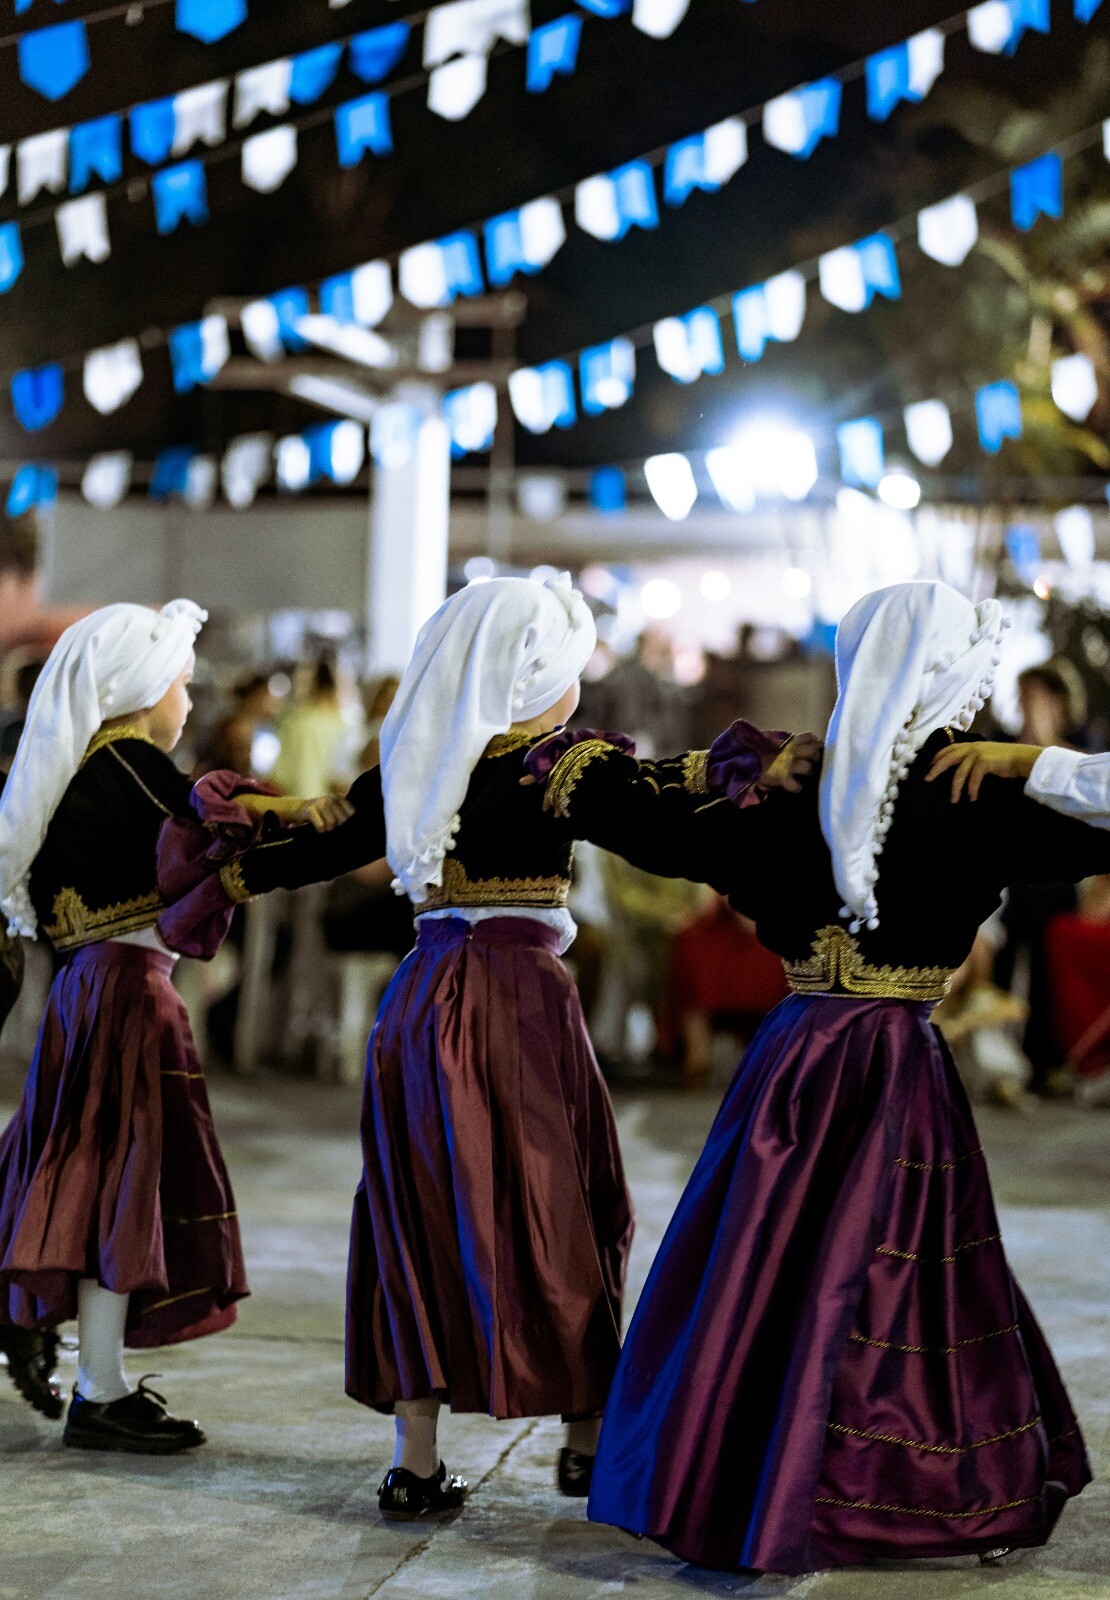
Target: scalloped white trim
{"x":426,"y":868}
{"x":906,"y":749}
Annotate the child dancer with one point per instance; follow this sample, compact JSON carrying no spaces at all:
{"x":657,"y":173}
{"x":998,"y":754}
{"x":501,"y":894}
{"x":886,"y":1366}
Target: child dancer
{"x":492,"y":1224}
{"x":100,"y":1215}
{"x":831,"y":1359}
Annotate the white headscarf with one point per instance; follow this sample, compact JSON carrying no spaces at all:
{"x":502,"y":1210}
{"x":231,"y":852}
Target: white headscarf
{"x":494,"y":654}
{"x":910,"y":660}
{"x":118,"y":660}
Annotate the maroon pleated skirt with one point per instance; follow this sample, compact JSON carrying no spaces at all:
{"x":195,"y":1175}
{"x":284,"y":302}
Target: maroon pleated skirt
{"x":492,"y":1225}
{"x":111,"y":1168}
{"x":831,"y":1359}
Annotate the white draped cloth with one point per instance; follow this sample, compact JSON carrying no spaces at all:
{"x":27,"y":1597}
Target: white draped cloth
{"x":494,"y":654}
{"x":910,"y":660}
{"x":115,"y":662}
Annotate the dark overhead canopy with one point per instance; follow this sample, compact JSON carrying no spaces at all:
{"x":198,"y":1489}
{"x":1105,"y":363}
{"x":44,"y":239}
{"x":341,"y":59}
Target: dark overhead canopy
{"x":630,"y":94}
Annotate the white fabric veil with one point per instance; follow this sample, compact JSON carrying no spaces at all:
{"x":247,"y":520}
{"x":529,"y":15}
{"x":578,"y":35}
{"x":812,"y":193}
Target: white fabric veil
{"x":910,"y":660}
{"x":494,"y":654}
{"x":118,"y":660}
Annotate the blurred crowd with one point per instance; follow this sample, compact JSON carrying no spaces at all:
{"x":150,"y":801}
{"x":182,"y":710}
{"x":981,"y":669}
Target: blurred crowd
{"x":672,"y":980}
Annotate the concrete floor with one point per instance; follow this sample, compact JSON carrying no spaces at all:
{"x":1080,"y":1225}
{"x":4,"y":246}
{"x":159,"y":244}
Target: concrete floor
{"x":281,"y":1502}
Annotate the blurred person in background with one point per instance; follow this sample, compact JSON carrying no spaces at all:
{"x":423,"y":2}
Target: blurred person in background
{"x":312,"y":733}
{"x":1052,"y":712}
{"x":720,"y":979}
{"x":14,"y":714}
{"x":640,"y":696}
{"x":983,"y":1025}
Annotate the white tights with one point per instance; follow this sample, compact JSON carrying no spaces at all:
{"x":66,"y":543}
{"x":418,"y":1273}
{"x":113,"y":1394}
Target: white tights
{"x":417,"y":1450}
{"x":101,"y":1319}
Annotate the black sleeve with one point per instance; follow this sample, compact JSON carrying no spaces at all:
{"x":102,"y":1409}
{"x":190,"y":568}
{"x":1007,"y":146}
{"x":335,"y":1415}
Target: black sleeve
{"x":301,"y":855}
{"x":658,"y":815}
{"x":1027,"y":842}
{"x":155,"y":774}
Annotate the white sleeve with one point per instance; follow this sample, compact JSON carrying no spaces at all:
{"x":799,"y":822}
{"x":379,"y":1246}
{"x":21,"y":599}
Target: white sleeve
{"x":1075,"y":784}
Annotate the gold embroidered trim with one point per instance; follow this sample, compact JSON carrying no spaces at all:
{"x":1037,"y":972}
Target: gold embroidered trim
{"x":838,"y":967}
{"x":189,"y":1294}
{"x":75,"y":923}
{"x":234,"y":884}
{"x":189,"y":1075}
{"x":107,"y":736}
{"x":939,"y":1166}
{"x":931,"y":1350}
{"x":216,"y":1216}
{"x":937,"y":1261}
{"x":933,"y":1449}
{"x":563,"y":778}
{"x":503,"y":744}
{"x":695,"y":771}
{"x":921,"y":1511}
{"x":459,"y":889}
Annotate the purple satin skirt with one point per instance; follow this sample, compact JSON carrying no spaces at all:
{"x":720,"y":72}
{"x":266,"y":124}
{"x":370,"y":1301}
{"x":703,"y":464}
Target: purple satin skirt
{"x":492,"y":1225}
{"x":831,"y":1359}
{"x":111,"y":1169}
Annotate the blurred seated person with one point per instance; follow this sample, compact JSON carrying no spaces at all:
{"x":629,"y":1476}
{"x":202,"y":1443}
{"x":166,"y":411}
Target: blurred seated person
{"x":983,"y":1026}
{"x":1078,"y":947}
{"x":720,"y":979}
{"x":644,"y":912}
{"x":1053,"y":709}
{"x":312,"y":735}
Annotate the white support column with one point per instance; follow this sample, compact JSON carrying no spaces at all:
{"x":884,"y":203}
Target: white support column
{"x":409,"y":509}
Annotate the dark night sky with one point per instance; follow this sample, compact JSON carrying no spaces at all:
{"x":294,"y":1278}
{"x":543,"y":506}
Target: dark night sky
{"x":629,"y":95}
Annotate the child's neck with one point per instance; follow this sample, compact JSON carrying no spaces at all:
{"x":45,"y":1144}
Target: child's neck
{"x":546,"y":722}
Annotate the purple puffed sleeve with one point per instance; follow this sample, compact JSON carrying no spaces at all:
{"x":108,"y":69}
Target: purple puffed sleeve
{"x":737,"y":759}
{"x":542,"y":757}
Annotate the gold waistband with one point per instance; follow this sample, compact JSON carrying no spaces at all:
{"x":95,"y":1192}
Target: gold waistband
{"x":838,"y":967}
{"x":459,"y":889}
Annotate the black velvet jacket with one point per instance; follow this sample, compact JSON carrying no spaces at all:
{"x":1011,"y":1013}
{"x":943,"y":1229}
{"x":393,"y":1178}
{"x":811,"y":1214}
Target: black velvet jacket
{"x":942,"y":871}
{"x":95,"y":876}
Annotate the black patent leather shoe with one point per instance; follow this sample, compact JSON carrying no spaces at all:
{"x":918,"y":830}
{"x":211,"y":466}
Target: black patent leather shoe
{"x":995,"y":1557}
{"x":32,"y":1357}
{"x":403,"y":1497}
{"x":139,"y":1424}
{"x":576,"y":1472}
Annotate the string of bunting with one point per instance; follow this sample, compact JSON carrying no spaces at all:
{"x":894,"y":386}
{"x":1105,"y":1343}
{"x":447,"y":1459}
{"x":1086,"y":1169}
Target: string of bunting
{"x":458,"y":40}
{"x":686,"y":347}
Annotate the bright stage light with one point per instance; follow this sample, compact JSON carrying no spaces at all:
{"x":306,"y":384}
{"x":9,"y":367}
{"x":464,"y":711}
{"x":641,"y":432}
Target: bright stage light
{"x":671,"y":481}
{"x":730,"y":479}
{"x":776,"y":458}
{"x":899,"y":490}
{"x":660,"y":598}
{"x":716,"y":586}
{"x":797,"y":583}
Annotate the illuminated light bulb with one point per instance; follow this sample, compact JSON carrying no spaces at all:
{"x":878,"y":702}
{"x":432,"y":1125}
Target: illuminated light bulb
{"x":797,"y":583}
{"x":730,"y":478}
{"x":899,"y":490}
{"x":1042,"y":588}
{"x":671,"y":481}
{"x":715,"y":586}
{"x":777,"y":459}
{"x":660,"y":598}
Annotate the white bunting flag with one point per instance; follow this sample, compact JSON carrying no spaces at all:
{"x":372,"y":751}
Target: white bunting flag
{"x":42,"y":163}
{"x":107,"y":478}
{"x":83,"y":229}
{"x":371,"y":292}
{"x":5,"y":165}
{"x":455,"y":88}
{"x":926,"y":61}
{"x":596,"y":208}
{"x":948,"y":231}
{"x":268,"y":158}
{"x":422,"y":273}
{"x":542,"y":231}
{"x":784,"y":303}
{"x":472,"y":27}
{"x":264,"y":88}
{"x":246,"y":467}
{"x":199,"y":116}
{"x":112,"y":375}
{"x":262,"y":329}
{"x":1075,"y":386}
{"x":929,"y":430}
{"x":840,"y":274}
{"x":658,"y":18}
{"x":200,"y":482}
{"x":990,"y":26}
{"x":724,"y":150}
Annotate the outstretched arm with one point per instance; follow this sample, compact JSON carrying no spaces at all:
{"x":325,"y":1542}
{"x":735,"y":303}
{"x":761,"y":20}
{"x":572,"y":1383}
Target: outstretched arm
{"x":301,"y":855}
{"x":679,"y":818}
{"x":1074,"y":784}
